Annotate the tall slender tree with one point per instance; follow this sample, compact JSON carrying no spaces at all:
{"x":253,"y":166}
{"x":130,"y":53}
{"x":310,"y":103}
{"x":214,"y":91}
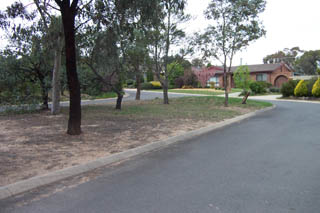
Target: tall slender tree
{"x":235,"y":23}
{"x":165,"y":34}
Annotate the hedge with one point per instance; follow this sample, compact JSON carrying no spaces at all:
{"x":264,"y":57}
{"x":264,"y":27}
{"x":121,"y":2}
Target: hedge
{"x":316,"y":88}
{"x":301,"y":89}
{"x":287,"y":88}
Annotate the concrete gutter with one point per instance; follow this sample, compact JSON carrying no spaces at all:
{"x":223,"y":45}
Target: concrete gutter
{"x":38,"y":181}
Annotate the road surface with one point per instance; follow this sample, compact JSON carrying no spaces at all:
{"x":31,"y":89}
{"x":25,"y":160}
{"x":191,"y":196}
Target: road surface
{"x":266,"y":164}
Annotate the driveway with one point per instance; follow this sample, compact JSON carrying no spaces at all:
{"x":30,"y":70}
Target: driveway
{"x":267,"y":164}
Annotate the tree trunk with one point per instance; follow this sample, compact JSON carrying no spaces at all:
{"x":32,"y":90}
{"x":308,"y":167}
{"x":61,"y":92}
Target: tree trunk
{"x":225,"y":79}
{"x":165,"y":94}
{"x":244,"y":99}
{"x":55,"y":108}
{"x":119,"y":100}
{"x":44,"y":91}
{"x":45,"y":98}
{"x":138,"y":94}
{"x":68,"y":13}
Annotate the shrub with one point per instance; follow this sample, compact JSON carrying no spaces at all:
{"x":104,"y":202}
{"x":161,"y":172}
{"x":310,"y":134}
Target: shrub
{"x":175,"y":71}
{"x":316,"y":88}
{"x":265,"y":84}
{"x":310,"y":84}
{"x":258,"y":87}
{"x":130,"y":82}
{"x":274,"y":89}
{"x":146,"y":86}
{"x":178,"y":83}
{"x":301,"y":89}
{"x":156,"y":84}
{"x":190,"y":79}
{"x":287,"y":88}
{"x":212,"y":85}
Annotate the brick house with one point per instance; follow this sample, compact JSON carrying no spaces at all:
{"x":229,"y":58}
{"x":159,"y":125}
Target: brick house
{"x":206,"y":74}
{"x":275,"y":74}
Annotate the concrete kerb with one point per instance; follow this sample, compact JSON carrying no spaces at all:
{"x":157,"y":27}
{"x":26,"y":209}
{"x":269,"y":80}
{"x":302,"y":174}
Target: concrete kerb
{"x":38,"y":181}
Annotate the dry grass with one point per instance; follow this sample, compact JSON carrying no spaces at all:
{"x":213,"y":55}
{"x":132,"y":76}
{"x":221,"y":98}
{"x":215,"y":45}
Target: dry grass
{"x":37,"y":143}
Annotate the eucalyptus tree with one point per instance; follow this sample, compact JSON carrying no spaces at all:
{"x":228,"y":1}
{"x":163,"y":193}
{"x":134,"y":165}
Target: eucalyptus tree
{"x":137,"y":54}
{"x":235,"y":23}
{"x":114,"y":37}
{"x":27,"y":39}
{"x":69,"y":11}
{"x":53,"y":27}
{"x":165,"y":34}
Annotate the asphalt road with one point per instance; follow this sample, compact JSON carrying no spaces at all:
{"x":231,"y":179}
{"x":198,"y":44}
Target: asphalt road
{"x":269,"y":163}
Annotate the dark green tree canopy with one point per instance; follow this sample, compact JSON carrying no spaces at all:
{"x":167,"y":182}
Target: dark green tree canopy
{"x":308,"y":63}
{"x":287,"y":55}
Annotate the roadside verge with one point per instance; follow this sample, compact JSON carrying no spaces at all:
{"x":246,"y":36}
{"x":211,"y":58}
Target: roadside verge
{"x":38,"y":181}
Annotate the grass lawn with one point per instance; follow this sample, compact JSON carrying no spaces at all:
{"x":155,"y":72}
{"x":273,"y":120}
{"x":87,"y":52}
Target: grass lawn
{"x":36,"y":143}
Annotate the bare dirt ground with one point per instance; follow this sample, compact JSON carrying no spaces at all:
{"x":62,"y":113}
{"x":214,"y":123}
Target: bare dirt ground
{"x":36,"y":144}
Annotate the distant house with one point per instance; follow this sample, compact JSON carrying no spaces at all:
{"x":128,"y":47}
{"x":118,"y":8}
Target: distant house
{"x":207,"y":74}
{"x":275,"y":74}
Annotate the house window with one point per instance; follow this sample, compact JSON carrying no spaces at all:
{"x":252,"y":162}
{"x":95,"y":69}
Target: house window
{"x":215,"y":80}
{"x":262,"y":77}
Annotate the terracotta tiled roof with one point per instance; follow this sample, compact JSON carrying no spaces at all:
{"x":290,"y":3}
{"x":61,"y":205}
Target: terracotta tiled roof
{"x":259,"y":68}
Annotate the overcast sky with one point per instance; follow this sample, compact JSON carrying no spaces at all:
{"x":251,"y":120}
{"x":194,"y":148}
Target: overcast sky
{"x":288,"y":23}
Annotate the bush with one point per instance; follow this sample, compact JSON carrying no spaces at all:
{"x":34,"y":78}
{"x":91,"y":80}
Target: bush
{"x":301,"y":89}
{"x":316,"y":88}
{"x":190,"y":79}
{"x":156,"y":84}
{"x":130,"y":82}
{"x":310,"y":84}
{"x":146,"y":86}
{"x":187,"y":87}
{"x":212,"y":85}
{"x":178,"y":83}
{"x":287,"y":88}
{"x":175,"y":71}
{"x":265,"y":84}
{"x":258,"y":87}
{"x":274,"y":89}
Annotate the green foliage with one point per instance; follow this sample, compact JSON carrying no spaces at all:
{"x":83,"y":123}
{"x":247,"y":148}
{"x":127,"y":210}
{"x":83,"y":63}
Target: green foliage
{"x":150,"y":76}
{"x":242,"y":78}
{"x":146,"y":86}
{"x":287,"y":55}
{"x":287,"y":88}
{"x":274,"y":89}
{"x":301,"y":89}
{"x":307,"y":64}
{"x":310,"y":84}
{"x":316,"y":88}
{"x":258,"y":87}
{"x":17,"y":87}
{"x":175,"y":71}
{"x":89,"y":83}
